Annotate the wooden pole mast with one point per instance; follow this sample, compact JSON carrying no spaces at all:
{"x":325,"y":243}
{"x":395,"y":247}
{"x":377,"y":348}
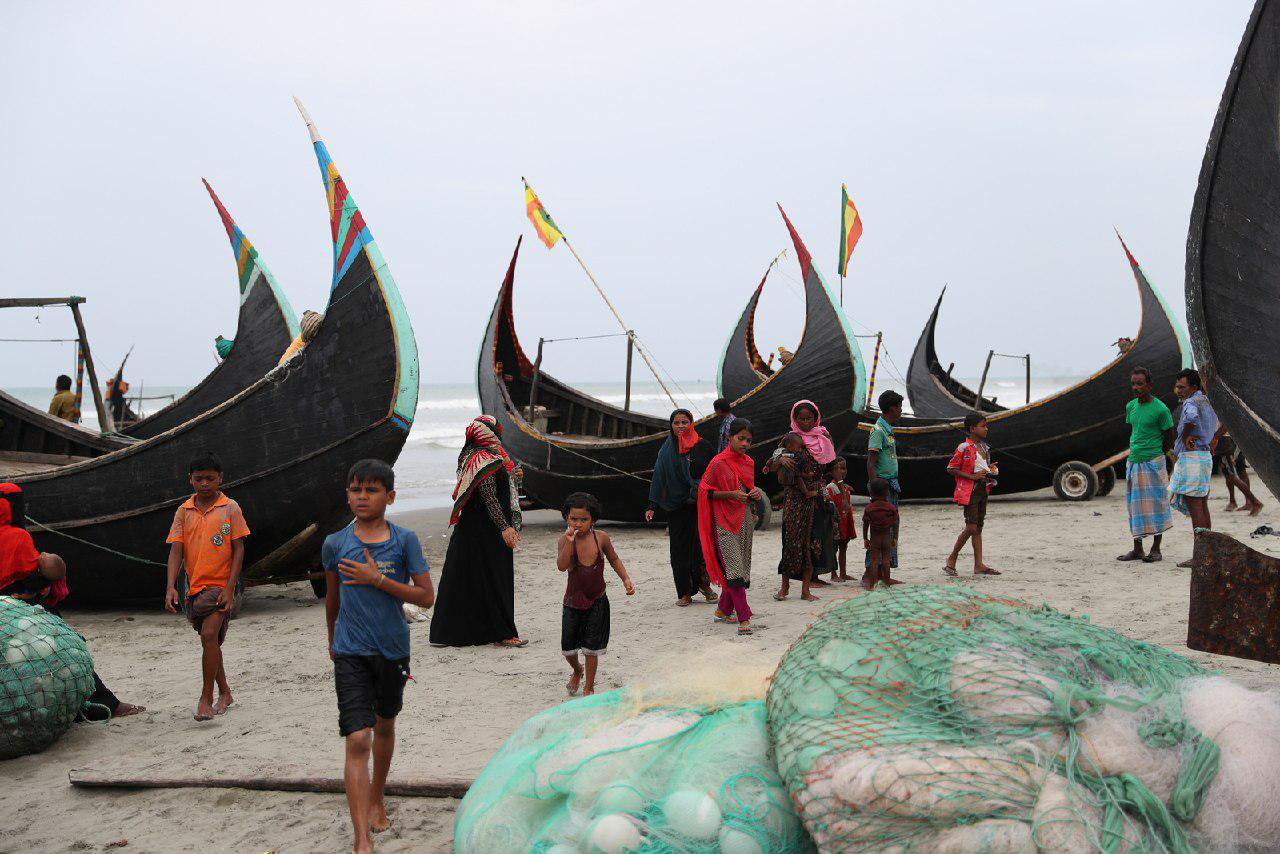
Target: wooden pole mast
{"x":105,"y":424}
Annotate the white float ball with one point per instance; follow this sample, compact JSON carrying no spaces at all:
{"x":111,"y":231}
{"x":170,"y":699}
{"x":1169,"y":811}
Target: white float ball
{"x":41,"y":647}
{"x":619,"y":797}
{"x":562,"y":848}
{"x":734,"y":841}
{"x":15,"y":653}
{"x":612,"y":834}
{"x":692,"y":814}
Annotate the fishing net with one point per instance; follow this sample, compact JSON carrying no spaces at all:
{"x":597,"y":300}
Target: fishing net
{"x":935,"y":718}
{"x":46,"y":675}
{"x":627,"y":772}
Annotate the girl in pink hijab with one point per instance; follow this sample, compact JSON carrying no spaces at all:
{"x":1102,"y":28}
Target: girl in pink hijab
{"x":807,"y":421}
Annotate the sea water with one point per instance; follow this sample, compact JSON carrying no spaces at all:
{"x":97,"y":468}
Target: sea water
{"x":425,"y":472}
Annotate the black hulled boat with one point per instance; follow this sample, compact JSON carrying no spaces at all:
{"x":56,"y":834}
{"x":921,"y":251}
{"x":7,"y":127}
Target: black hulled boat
{"x":265,"y":326}
{"x":1233,"y":249}
{"x":931,"y":390}
{"x":570,"y":441}
{"x":286,"y":441}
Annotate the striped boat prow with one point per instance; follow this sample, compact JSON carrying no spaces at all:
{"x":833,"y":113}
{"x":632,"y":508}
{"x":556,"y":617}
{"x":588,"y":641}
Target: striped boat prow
{"x":802,"y":251}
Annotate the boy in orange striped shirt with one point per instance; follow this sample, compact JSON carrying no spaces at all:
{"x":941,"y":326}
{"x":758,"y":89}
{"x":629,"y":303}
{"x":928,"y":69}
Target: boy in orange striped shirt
{"x":207,"y":537}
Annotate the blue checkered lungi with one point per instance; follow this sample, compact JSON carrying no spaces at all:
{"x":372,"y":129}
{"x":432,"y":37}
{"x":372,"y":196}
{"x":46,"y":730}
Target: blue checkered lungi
{"x":1147,"y":497}
{"x":1190,"y":479}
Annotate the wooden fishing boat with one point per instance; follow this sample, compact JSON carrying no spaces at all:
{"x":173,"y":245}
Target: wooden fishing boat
{"x":568,"y":441}
{"x":1069,"y":440}
{"x":1233,"y":269}
{"x":265,"y":326}
{"x":931,"y":390}
{"x":286,"y":441}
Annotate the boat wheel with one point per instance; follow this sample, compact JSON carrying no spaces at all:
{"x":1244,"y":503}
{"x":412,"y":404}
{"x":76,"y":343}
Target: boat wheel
{"x":1106,"y":481}
{"x":1075,"y":481}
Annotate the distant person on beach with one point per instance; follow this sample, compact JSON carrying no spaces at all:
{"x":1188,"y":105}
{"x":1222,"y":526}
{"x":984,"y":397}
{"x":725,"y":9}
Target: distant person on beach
{"x":1234,"y":468}
{"x":1146,"y":483}
{"x":309,"y":327}
{"x":370,"y":567}
{"x":1197,"y":425}
{"x":882,"y":458}
{"x":63,"y":404}
{"x":725,"y":411}
{"x":584,"y":622}
{"x":879,"y":533}
{"x":801,"y":480}
{"x":727,"y":524}
{"x":477,"y":599}
{"x":681,"y":461}
{"x":39,"y":578}
{"x":840,"y":495}
{"x":975,"y":473}
{"x":207,"y":539}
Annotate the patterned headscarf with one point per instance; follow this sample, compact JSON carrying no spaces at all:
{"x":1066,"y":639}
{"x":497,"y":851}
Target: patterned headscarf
{"x":481,"y":457}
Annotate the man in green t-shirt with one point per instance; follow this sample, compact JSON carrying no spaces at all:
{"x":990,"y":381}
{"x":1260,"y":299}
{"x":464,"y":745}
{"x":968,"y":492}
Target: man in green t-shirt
{"x":882,"y":459}
{"x":1146,"y":481}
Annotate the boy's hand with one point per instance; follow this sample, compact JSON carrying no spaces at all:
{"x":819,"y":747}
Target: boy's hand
{"x":511,"y":537}
{"x":360,"y":572}
{"x":648,"y":515}
{"x":171,"y":600}
{"x":628,"y":586}
{"x":225,"y":598}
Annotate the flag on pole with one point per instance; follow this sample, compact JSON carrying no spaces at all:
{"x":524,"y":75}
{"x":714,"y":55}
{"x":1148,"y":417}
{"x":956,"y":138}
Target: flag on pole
{"x":850,"y":229}
{"x":548,"y":231}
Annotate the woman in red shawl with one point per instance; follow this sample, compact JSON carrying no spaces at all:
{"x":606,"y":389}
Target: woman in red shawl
{"x":476,"y":603}
{"x":39,"y":578}
{"x":726,"y":524}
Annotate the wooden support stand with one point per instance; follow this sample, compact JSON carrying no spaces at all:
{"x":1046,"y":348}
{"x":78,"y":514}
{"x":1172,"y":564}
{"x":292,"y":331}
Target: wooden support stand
{"x":1235,"y":600}
{"x":402,"y":787}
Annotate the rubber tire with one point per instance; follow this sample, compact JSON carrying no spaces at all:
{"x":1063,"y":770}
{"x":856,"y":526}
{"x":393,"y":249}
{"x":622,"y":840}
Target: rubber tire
{"x":1106,"y":481}
{"x":764,"y":513}
{"x":319,"y":587}
{"x":1075,"y":481}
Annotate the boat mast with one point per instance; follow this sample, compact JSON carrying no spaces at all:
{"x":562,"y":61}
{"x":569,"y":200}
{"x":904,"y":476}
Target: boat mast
{"x":105,"y":424}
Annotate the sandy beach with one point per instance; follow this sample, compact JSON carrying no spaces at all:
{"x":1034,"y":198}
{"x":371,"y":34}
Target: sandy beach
{"x":466,"y":701}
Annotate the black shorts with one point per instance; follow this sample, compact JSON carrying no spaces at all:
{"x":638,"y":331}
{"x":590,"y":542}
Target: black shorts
{"x":369,"y":687}
{"x":585,"y":632}
{"x":975,"y":512}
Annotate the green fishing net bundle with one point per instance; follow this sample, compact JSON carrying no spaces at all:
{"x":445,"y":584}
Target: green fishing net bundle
{"x":46,"y":674}
{"x":935,"y":718}
{"x":626,"y":772}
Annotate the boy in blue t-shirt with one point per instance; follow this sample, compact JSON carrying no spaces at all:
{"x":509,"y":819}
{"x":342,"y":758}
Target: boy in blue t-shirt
{"x":371,"y":566}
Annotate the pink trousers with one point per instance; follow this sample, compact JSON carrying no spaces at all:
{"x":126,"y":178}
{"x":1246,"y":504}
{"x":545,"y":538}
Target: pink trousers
{"x":734,"y":600}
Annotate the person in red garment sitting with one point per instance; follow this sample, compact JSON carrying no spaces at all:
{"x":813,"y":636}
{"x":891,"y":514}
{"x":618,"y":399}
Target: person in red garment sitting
{"x":40,"y":578}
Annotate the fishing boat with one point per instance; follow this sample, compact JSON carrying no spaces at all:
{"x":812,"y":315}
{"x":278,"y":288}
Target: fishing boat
{"x":265,"y":326}
{"x":931,"y":389}
{"x":1233,"y":270}
{"x":286,"y":441}
{"x":1070,"y":440}
{"x":566,"y":441}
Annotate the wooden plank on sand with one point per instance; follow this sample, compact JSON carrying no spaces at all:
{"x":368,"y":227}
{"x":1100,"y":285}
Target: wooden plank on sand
{"x":408,"y":787}
{"x":1235,"y":600}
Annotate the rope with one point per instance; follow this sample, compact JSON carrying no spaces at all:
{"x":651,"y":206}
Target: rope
{"x":124,"y":555}
{"x":39,"y":340}
{"x":596,"y":462}
{"x":585,"y":337}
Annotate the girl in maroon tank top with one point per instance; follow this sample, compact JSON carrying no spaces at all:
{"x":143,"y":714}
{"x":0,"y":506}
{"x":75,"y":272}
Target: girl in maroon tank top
{"x":584,"y":624}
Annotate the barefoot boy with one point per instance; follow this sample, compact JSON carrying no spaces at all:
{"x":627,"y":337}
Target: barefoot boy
{"x":370,"y":567}
{"x":207,"y":537}
{"x":584,"y":623}
{"x":879,"y":533}
{"x":974,"y":472}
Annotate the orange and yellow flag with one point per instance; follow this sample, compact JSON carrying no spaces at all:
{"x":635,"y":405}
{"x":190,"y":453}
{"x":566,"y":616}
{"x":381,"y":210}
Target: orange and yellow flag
{"x":548,"y":231}
{"x":850,"y":229}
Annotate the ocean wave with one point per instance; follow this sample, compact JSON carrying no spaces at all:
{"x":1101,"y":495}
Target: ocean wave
{"x":450,"y":403}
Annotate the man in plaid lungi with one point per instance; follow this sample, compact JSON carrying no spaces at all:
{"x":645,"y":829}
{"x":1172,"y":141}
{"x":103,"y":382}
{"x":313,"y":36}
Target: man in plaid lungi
{"x":1197,"y":425}
{"x":1146,"y":495}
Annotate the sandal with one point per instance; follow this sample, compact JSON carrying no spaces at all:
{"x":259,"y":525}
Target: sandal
{"x":513,"y":642}
{"x":721,"y":618}
{"x":744,"y":630}
{"x":986,"y":570}
{"x":950,"y":571}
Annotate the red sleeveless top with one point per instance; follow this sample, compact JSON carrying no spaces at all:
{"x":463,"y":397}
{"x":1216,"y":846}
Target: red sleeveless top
{"x":586,"y":583}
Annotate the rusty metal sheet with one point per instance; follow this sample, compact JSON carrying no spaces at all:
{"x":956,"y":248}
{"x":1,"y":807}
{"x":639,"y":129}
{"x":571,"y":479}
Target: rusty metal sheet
{"x":1235,"y":600}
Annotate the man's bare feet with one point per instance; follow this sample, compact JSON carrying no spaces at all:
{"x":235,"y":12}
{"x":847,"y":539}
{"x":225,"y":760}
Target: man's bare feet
{"x":1231,"y":506}
{"x":588,"y":691}
{"x":817,"y":582}
{"x":1255,"y":509}
{"x":1153,"y":556}
{"x":378,"y":820}
{"x":204,"y":710}
{"x":363,"y":846}
{"x":985,"y":570}
{"x":124,"y":710}
{"x":1136,"y":554}
{"x":809,"y":597}
{"x":224,"y":703}
{"x":572,"y":685}
{"x":866,"y":583}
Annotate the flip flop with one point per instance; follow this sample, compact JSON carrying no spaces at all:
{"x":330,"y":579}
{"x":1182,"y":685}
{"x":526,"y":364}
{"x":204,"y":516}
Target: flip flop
{"x":519,"y":642}
{"x":950,"y":571}
{"x":986,"y":570}
{"x":719,"y":619}
{"x":1153,"y":558}
{"x":680,"y":603}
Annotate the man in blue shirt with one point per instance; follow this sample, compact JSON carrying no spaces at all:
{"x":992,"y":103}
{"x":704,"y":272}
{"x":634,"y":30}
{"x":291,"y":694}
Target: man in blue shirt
{"x":371,"y":567}
{"x":1197,"y":425}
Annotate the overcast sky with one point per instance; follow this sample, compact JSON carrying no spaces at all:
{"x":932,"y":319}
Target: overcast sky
{"x":990,"y":146}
